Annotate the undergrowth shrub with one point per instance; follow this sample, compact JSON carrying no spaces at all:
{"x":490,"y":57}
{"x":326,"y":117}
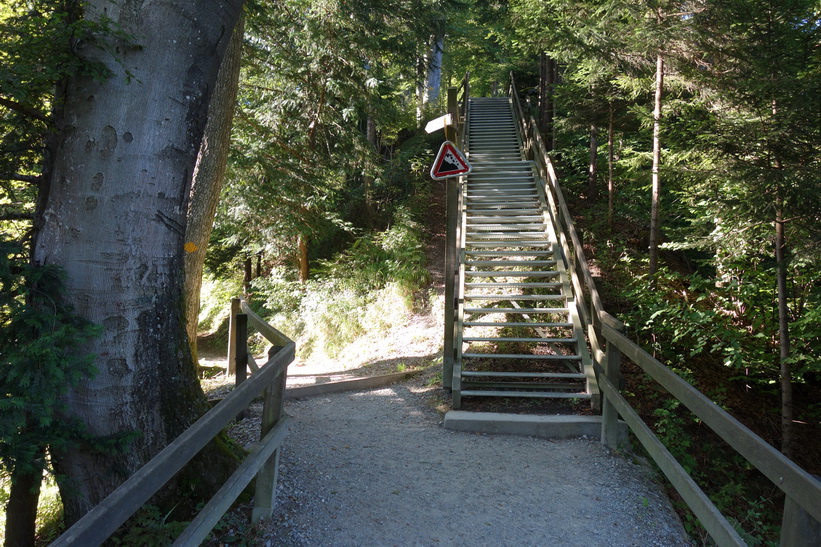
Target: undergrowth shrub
{"x":699,"y":328}
{"x":368,"y":287}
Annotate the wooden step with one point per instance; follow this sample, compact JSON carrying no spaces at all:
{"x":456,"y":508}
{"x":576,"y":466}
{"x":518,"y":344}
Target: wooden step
{"x":519,"y":339}
{"x":490,"y":374}
{"x":515,"y":324}
{"x":517,"y":311}
{"x":540,"y":394}
{"x":530,"y":297}
{"x":501,"y":284}
{"x":510,"y":263}
{"x":523,"y":356}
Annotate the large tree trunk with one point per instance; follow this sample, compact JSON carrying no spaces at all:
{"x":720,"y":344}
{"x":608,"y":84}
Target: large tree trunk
{"x":208,"y":177}
{"x":655,"y":207}
{"x":115,"y":220}
{"x":783,"y":335}
{"x":435,"y":66}
{"x":421,"y":81}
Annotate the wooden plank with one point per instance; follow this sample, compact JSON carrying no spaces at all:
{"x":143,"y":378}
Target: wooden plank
{"x":451,"y":255}
{"x":99,"y":523}
{"x":610,"y":416}
{"x":790,"y":478}
{"x":213,"y":511}
{"x":241,"y":350}
{"x":492,"y":374}
{"x":704,"y":509}
{"x":798,"y":528}
{"x":252,"y":364}
{"x":530,"y":394}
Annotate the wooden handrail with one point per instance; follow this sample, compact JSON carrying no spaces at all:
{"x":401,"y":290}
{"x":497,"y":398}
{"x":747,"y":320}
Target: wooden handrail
{"x":104,"y":519}
{"x":802,"y":489}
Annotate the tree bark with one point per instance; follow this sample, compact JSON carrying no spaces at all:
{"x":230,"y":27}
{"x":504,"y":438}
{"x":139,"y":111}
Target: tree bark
{"x":421,"y":95}
{"x":435,"y":66}
{"x":655,"y":207}
{"x":593,"y":165}
{"x":115,"y":220}
{"x":209,"y":174}
{"x":304,"y":265}
{"x":552,"y":83}
{"x":787,"y":441}
{"x":21,"y":510}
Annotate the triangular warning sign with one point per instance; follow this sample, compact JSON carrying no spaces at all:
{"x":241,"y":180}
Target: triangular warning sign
{"x":450,"y":162}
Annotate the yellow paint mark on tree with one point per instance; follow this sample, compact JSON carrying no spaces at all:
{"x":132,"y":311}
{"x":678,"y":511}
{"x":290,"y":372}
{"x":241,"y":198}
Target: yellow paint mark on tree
{"x":190,"y":247}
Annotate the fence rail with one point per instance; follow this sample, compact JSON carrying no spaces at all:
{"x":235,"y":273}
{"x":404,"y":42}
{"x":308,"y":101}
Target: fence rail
{"x":104,"y":519}
{"x":802,"y":513}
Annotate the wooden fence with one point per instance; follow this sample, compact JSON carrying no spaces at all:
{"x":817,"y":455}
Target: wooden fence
{"x":801,"y":524}
{"x":262,"y":462}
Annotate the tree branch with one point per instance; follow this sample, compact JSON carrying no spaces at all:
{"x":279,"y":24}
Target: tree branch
{"x":31,"y":179}
{"x":23,"y":109}
{"x":10,"y":215}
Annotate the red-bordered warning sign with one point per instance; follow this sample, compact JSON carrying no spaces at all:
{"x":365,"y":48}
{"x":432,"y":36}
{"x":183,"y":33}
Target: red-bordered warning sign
{"x":450,"y":162}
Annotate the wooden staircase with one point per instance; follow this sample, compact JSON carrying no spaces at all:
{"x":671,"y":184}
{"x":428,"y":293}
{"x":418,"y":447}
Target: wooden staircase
{"x":518,"y":332}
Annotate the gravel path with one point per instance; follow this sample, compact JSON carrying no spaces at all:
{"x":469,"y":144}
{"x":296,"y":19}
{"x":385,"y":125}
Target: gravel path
{"x":378,"y":468}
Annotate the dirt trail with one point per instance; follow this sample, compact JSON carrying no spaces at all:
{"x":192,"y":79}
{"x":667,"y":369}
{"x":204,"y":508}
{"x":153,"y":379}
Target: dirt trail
{"x":378,"y":468}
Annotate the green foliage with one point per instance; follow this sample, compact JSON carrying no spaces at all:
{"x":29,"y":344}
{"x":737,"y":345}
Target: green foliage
{"x":41,"y":338}
{"x":40,"y":47}
{"x":369,"y":286}
{"x":669,"y":428}
{"x":302,"y":168}
{"x":150,"y":528}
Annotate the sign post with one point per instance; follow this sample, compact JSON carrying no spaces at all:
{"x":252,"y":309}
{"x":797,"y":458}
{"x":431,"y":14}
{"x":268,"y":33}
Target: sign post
{"x":449,"y":163}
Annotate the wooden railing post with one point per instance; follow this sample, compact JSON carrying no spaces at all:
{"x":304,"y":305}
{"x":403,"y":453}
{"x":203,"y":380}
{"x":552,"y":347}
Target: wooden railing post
{"x":452,"y":214}
{"x":232,"y":335}
{"x":241,"y":348}
{"x":273,"y":410}
{"x":241,"y":353}
{"x":799,"y":528}
{"x":452,"y":129}
{"x":610,"y":416}
{"x":451,"y":217}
